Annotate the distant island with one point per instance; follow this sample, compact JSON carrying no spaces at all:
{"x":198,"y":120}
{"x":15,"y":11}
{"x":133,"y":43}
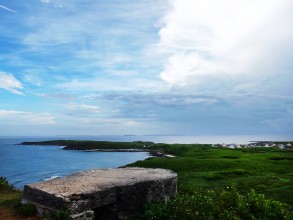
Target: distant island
{"x":107,"y":146}
{"x":146,"y":146}
{"x":94,"y":145}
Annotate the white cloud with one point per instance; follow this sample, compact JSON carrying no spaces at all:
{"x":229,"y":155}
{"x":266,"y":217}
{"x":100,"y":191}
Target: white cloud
{"x":7,"y":9}
{"x":82,"y":109}
{"x":105,"y":37}
{"x":10,"y":83}
{"x":224,"y":38}
{"x":160,"y":99}
{"x":180,"y":67}
{"x":11,"y":117}
{"x":102,"y":122}
{"x":45,"y":1}
{"x":103,"y":84}
{"x":33,"y":79}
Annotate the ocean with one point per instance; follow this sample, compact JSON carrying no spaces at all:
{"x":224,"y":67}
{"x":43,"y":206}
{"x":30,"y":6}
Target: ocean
{"x":22,"y":165}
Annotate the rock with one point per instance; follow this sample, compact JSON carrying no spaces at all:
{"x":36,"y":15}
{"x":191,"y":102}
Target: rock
{"x":103,"y":193}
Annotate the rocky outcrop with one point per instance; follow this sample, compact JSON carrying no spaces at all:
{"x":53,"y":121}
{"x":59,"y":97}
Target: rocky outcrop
{"x":103,"y":193}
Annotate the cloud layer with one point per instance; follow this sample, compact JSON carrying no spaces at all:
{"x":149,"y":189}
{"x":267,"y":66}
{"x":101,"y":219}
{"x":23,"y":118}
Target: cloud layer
{"x":16,"y":117}
{"x":10,"y":83}
{"x":227,"y":38}
{"x":170,"y":66}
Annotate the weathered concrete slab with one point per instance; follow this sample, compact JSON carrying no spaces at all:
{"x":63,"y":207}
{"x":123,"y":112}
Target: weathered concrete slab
{"x":103,"y":193}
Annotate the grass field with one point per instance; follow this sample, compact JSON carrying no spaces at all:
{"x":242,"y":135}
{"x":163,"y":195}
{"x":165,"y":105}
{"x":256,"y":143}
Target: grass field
{"x":266,"y":170}
{"x":10,"y":206}
{"x":221,"y":183}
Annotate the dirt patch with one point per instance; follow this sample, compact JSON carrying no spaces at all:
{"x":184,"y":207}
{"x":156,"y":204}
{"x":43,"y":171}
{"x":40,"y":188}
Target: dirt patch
{"x":8,"y":214}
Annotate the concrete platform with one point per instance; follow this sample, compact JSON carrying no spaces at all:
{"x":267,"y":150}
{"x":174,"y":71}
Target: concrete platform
{"x":103,"y":193}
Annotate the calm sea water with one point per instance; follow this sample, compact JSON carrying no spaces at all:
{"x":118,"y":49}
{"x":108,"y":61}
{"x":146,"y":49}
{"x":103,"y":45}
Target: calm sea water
{"x":26,"y":164}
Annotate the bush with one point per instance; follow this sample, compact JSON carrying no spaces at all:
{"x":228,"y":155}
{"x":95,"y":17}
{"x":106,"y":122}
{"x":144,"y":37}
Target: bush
{"x":280,"y":158}
{"x":62,"y":214}
{"x":218,"y":204}
{"x":4,"y":185}
{"x":27,"y":210}
{"x":231,"y":157}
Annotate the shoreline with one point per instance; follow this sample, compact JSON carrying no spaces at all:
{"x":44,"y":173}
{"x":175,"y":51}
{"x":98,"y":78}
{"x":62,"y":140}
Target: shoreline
{"x":152,"y":153}
{"x":202,"y":166}
{"x":106,"y":146}
{"x":153,"y":149}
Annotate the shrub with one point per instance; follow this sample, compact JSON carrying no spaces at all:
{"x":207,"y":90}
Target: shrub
{"x":280,"y":158}
{"x":224,"y":174}
{"x":4,"y":185}
{"x":27,"y":210}
{"x":218,"y":204}
{"x":62,"y":214}
{"x":231,"y":156}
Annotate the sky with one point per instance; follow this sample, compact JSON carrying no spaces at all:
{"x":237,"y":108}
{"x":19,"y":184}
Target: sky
{"x":116,"y":67}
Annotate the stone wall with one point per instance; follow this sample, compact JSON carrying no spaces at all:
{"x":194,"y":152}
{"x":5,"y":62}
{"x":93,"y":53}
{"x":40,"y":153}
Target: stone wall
{"x":103,"y":193}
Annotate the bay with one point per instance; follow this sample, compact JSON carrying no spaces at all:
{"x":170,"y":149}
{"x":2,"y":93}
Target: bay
{"x":26,"y":164}
{"x":22,"y":165}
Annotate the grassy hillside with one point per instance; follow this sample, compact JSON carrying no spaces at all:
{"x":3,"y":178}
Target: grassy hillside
{"x":267,"y":170}
{"x":10,"y":206}
{"x":221,"y":183}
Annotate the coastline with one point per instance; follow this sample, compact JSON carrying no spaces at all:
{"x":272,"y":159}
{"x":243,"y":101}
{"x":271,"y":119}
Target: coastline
{"x":168,"y":139}
{"x":208,"y":166}
{"x":153,"y":149}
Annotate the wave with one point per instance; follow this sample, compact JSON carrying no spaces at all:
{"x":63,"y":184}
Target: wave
{"x":51,"y":178}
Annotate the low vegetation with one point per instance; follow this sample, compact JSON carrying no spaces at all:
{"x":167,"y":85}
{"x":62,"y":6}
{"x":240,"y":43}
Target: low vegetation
{"x":245,"y":169}
{"x":93,"y":145}
{"x":260,"y":186}
{"x":215,"y":183}
{"x":10,"y":205}
{"x":228,"y":203}
{"x":60,"y":214}
{"x":9,"y":197}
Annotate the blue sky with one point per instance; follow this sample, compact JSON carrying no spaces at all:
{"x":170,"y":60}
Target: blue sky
{"x":189,"y":67}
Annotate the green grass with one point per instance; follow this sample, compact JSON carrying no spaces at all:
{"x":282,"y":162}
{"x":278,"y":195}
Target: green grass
{"x":246,"y":169}
{"x":259,"y":182}
{"x":260,"y":179}
{"x":10,"y":199}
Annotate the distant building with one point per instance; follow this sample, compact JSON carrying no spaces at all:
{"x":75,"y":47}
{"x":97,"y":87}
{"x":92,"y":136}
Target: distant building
{"x":281,"y":146}
{"x":231,"y":146}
